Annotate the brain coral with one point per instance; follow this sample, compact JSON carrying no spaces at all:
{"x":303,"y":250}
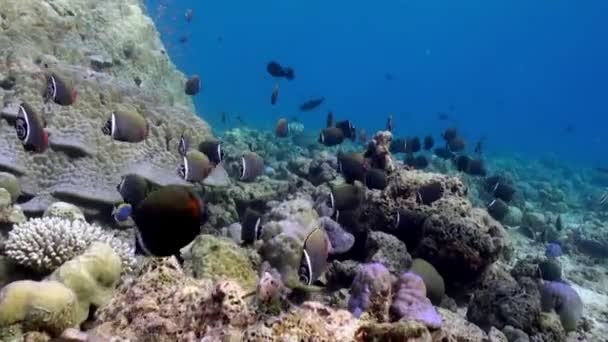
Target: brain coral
{"x":83,"y":166}
{"x":44,"y":244}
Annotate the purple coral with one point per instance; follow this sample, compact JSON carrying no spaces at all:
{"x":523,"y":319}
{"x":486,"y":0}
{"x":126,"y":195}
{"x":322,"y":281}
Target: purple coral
{"x":410,"y":302}
{"x":371,"y":291}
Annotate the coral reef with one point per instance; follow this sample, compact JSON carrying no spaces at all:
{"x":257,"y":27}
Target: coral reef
{"x":371,"y":291}
{"x":9,"y":214}
{"x":93,"y":276}
{"x":83,"y":166}
{"x":410,"y":302}
{"x":219,"y":258}
{"x":458,"y":240}
{"x":388,"y":250}
{"x":564,"y":300}
{"x":47,"y":306}
{"x":44,"y":244}
{"x":64,"y":211}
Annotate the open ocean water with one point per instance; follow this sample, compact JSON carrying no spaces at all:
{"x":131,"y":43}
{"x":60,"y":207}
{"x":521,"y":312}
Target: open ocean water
{"x":529,"y":76}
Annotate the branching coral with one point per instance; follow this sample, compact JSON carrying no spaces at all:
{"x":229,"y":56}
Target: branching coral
{"x":44,"y":244}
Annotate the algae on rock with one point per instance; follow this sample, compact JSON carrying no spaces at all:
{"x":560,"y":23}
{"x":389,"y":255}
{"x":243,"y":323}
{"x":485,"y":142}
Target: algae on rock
{"x":220,"y":258}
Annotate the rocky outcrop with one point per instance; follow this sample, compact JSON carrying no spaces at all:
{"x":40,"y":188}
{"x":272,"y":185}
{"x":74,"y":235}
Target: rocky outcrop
{"x":70,"y":38}
{"x":432,"y":215}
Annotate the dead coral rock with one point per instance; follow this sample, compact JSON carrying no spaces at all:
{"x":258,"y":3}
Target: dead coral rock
{"x":163,"y":300}
{"x":458,"y":240}
{"x":399,"y":331}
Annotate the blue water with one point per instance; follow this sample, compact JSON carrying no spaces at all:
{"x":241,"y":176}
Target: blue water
{"x":517,"y":72}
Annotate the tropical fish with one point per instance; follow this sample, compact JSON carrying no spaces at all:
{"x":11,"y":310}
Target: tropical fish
{"x":457,"y":144}
{"x":31,"y":129}
{"x":345,"y":197}
{"x":443,"y":153}
{"x":331,"y":136}
{"x":412,"y":145}
{"x":348,"y":129}
{"x":282,"y":128}
{"x":376,"y":179}
{"x":442,"y":116}
{"x":428,"y":142}
{"x":352,"y":166}
{"x":420,"y":162}
{"x":133,"y":189}
{"x":250,"y":226}
{"x":450,"y":134}
{"x":314,"y":257}
{"x":167,"y":220}
{"x":126,"y":127}
{"x":252,"y":166}
{"x":213,"y":150}
{"x":59,"y":91}
{"x":276,"y":70}
{"x":398,"y":145}
{"x":311,"y":104}
{"x":499,"y":188}
{"x":275,"y":94}
{"x":553,"y":250}
{"x":195,"y":167}
{"x":479,"y":147}
{"x":193,"y":85}
{"x":183,"y":39}
{"x":498,"y":209}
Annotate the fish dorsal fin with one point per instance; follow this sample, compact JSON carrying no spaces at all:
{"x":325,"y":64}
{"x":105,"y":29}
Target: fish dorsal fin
{"x":218,"y":176}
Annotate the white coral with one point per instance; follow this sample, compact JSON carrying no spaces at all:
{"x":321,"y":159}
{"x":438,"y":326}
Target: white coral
{"x":44,"y":244}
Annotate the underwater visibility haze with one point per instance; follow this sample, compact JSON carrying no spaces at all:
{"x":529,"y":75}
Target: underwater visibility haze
{"x":303,"y":171}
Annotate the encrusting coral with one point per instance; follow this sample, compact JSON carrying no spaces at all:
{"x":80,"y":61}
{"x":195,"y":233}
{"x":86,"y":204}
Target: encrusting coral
{"x":37,"y":306}
{"x":44,"y":244}
{"x":93,"y":276}
{"x":410,"y":302}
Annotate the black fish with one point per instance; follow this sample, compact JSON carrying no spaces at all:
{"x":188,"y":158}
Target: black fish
{"x":462,"y":163}
{"x":428,"y":143}
{"x":398,"y":145}
{"x":443,"y":153}
{"x":442,"y":116}
{"x":500,"y":188}
{"x":193,"y":85}
{"x":224,"y":117}
{"x":311,"y":104}
{"x":275,"y":94}
{"x":457,"y":144}
{"x":331,"y":136}
{"x":213,"y":150}
{"x":412,"y":145}
{"x":376,"y":179}
{"x":276,"y":70}
{"x":348,"y":129}
{"x":450,"y":134}
{"x":346,"y":197}
{"x":250,"y":226}
{"x":59,"y":91}
{"x":167,"y":220}
{"x":352,"y":166}
{"x":133,"y":189}
{"x":420,"y":162}
{"x":183,"y":39}
{"x":31,"y":129}
{"x":476,"y":167}
{"x":330,"y":119}
{"x":498,"y":209}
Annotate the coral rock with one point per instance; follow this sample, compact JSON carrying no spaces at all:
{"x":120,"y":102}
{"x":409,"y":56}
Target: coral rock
{"x":11,"y":184}
{"x":38,"y":306}
{"x":44,"y":244}
{"x":410,"y":302}
{"x":371,"y":292}
{"x":64,"y":210}
{"x":92,"y":276}
{"x":220,"y":258}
